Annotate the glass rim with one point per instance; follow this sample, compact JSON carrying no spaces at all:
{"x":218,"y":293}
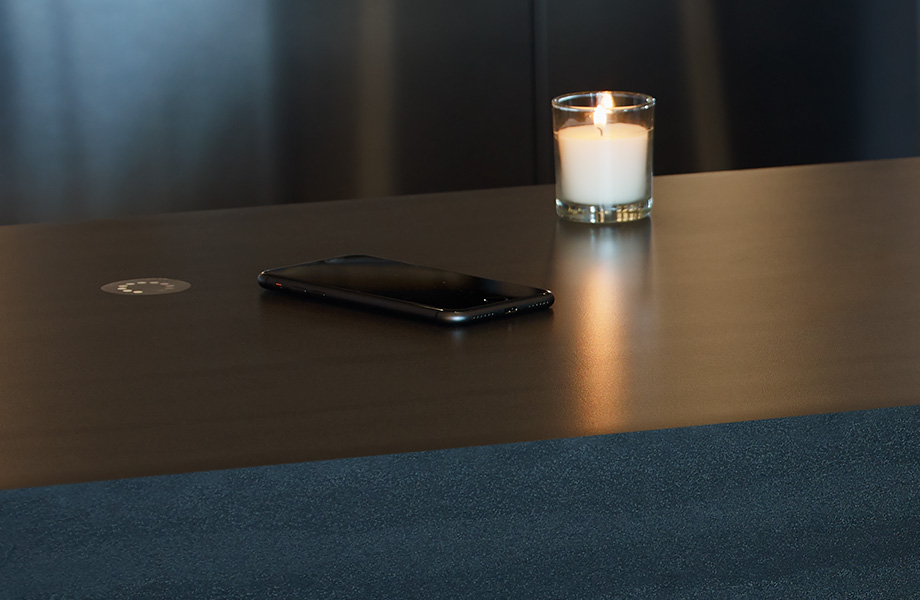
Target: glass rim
{"x":640,"y":101}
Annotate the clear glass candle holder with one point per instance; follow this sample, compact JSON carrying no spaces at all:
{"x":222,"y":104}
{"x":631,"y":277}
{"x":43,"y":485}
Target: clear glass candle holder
{"x":603,"y":148}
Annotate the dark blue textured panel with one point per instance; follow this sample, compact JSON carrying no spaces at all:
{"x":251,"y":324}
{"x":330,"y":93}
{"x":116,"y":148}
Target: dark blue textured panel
{"x":809,"y":507}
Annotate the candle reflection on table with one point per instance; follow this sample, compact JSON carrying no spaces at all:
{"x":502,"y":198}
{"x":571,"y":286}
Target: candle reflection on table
{"x":608,"y":268}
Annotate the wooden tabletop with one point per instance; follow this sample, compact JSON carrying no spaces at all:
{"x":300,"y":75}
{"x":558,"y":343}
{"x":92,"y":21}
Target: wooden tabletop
{"x":748,"y":295}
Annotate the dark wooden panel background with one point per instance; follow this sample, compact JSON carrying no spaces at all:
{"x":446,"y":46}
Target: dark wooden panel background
{"x":111,"y":108}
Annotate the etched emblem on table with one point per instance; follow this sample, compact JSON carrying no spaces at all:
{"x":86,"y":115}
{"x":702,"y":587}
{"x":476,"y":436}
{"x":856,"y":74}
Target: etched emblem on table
{"x":147,"y":286}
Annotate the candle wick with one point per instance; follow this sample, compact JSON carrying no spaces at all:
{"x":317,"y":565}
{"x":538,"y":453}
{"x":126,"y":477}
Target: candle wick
{"x":600,"y":130}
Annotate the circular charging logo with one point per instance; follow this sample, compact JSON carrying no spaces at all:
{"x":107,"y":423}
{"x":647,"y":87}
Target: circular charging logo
{"x":147,"y":286}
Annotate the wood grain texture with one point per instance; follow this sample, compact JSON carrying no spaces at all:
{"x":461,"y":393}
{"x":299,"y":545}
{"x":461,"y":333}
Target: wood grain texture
{"x":749,"y":295}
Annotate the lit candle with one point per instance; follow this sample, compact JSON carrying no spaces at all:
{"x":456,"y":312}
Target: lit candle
{"x":604,"y":163}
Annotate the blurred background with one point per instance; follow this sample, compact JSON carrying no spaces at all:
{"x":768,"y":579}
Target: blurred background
{"x":114,"y":107}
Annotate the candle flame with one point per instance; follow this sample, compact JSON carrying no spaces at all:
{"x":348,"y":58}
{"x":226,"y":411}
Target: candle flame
{"x":604,"y":106}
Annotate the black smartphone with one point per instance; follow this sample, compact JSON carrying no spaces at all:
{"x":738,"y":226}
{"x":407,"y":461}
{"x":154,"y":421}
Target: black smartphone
{"x":445,"y":297}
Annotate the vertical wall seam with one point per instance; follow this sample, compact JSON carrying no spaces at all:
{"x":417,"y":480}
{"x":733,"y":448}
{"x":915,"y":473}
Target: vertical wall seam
{"x":542,"y":164}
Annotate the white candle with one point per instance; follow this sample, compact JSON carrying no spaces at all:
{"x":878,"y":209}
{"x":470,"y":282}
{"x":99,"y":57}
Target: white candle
{"x":603,"y":164}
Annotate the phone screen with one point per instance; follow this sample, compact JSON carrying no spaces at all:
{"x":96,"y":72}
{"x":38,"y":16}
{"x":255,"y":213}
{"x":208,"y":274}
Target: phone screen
{"x":401,"y":281}
{"x":445,"y":296}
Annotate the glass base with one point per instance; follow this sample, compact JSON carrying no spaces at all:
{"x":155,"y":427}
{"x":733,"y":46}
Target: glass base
{"x":614,"y":213}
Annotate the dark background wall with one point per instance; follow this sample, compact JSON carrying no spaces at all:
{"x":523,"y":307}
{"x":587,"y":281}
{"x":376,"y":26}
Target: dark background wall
{"x":113,"y":108}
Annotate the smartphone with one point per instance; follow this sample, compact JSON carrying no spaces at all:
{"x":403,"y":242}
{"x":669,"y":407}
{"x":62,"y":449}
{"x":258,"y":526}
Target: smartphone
{"x":445,"y":297}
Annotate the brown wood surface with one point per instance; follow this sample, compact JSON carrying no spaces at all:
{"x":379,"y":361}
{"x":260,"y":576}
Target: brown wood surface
{"x":748,"y":295}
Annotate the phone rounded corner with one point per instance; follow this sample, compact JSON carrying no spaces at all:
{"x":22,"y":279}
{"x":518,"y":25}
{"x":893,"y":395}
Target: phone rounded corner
{"x":263,"y":279}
